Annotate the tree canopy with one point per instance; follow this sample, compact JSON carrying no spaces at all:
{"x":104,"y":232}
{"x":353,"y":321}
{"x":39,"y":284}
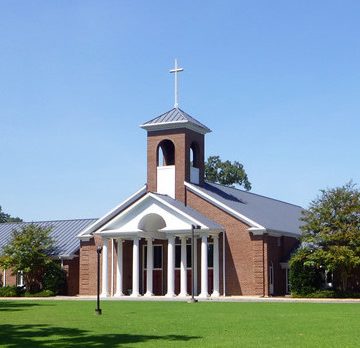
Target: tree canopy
{"x":29,"y":251}
{"x":226,"y":172}
{"x":7,"y":217}
{"x":331,"y":236}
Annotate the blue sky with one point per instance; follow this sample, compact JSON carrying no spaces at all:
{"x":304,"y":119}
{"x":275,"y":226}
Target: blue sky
{"x":276,"y":81}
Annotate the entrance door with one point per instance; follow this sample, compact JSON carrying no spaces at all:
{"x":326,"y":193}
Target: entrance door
{"x":158,"y":269}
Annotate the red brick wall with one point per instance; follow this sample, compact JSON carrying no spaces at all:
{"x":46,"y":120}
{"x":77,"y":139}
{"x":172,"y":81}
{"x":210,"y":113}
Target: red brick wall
{"x":71,"y":268}
{"x":10,"y":278}
{"x":88,"y":259}
{"x":244,"y":253}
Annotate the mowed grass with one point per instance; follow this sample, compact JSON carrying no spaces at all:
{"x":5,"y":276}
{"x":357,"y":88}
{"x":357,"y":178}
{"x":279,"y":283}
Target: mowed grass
{"x":178,"y":324}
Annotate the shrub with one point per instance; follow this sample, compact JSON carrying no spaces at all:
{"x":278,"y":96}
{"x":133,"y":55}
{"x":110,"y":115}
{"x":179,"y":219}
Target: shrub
{"x":304,"y":279}
{"x":9,"y":291}
{"x":43,"y":293}
{"x":54,"y":279}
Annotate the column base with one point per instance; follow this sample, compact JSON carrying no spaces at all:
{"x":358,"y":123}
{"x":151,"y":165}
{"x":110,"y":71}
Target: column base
{"x":170,"y":295}
{"x":204,"y":295}
{"x":148,"y":294}
{"x":119,"y":294}
{"x":135,"y":294}
{"x":183,"y":294}
{"x":104,"y":295}
{"x":215,"y":294}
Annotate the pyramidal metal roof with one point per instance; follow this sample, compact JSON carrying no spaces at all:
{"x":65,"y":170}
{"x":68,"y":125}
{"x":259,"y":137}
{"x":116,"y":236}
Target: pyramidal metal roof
{"x":175,"y":118}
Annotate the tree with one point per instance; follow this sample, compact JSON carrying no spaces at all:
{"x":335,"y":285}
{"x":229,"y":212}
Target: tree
{"x":29,"y":251}
{"x":7,"y":218}
{"x":331,"y":236}
{"x":226,"y":173}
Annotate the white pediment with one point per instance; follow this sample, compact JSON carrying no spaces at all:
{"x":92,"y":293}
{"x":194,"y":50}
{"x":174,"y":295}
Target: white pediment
{"x":150,"y":214}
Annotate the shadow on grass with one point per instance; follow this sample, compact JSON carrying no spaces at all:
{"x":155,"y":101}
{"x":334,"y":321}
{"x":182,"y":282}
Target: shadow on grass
{"x":18,"y":306}
{"x":46,"y":336}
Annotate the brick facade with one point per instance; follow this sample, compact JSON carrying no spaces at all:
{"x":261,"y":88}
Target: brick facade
{"x":182,"y":140}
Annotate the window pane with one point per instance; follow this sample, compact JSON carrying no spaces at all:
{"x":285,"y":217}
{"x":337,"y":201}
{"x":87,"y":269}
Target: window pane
{"x":188,"y":255}
{"x":177,"y":256}
{"x":145,"y":256}
{"x":157,"y":256}
{"x":210,"y":255}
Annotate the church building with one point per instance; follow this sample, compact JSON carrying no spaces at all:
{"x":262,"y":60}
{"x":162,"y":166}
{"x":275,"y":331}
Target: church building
{"x":242,"y":241}
{"x":179,"y":233}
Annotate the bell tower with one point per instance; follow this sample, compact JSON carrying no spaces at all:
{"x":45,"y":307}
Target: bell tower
{"x":175,"y":152}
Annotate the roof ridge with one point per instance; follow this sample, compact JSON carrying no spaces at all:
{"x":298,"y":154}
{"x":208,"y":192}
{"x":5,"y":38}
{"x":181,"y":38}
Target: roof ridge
{"x":255,"y":194}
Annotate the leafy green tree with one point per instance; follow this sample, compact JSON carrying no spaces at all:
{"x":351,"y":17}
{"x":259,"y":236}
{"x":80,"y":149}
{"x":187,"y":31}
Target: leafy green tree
{"x":7,"y":218}
{"x":29,"y":251}
{"x":331,"y":235}
{"x":226,"y":172}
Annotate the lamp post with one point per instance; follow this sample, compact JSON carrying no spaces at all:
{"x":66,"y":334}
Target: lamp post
{"x":98,"y":309}
{"x":193,"y":227}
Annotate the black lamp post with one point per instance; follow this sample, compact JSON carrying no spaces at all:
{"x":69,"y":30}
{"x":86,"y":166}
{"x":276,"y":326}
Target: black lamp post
{"x":193,"y":227}
{"x":98,"y":309}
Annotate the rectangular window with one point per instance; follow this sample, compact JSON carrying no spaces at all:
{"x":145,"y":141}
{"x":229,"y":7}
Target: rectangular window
{"x":188,"y":256}
{"x":210,"y":255}
{"x":288,"y":280}
{"x":158,"y":256}
{"x":20,"y":278}
{"x":178,"y":255}
{"x":157,"y":251}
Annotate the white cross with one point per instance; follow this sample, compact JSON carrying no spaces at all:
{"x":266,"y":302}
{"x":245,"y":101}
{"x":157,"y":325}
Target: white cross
{"x":176,"y":70}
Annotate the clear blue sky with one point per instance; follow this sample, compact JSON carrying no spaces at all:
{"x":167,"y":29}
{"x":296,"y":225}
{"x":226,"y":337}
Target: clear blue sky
{"x":276,"y":81}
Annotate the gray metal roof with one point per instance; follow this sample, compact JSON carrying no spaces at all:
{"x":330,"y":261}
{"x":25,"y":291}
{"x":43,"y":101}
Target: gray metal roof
{"x":64,"y":233}
{"x":274,"y":215}
{"x":175,"y":117}
{"x":191,"y":212}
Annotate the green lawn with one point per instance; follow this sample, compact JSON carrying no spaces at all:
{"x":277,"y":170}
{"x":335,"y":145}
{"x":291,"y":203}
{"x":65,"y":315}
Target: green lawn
{"x":170,"y":324}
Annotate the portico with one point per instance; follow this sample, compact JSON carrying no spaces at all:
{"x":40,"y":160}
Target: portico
{"x":143,"y":285}
{"x":162,"y":224}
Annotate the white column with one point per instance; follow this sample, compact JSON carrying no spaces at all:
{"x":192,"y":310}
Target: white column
{"x":171,"y":267}
{"x":195,"y":267}
{"x":149,"y":268}
{"x":216,"y":268}
{"x":135,"y":268}
{"x":119,"y":269}
{"x":183,"y":268}
{"x":104,"y":274}
{"x":204,"y":267}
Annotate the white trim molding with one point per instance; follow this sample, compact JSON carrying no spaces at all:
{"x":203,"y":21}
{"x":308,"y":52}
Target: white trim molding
{"x":86,"y":234}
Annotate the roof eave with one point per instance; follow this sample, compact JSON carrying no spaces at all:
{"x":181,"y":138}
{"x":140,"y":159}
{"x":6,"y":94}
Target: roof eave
{"x":175,"y":125}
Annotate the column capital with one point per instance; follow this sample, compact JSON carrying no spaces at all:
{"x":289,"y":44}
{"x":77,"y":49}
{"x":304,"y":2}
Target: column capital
{"x":171,"y":237}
